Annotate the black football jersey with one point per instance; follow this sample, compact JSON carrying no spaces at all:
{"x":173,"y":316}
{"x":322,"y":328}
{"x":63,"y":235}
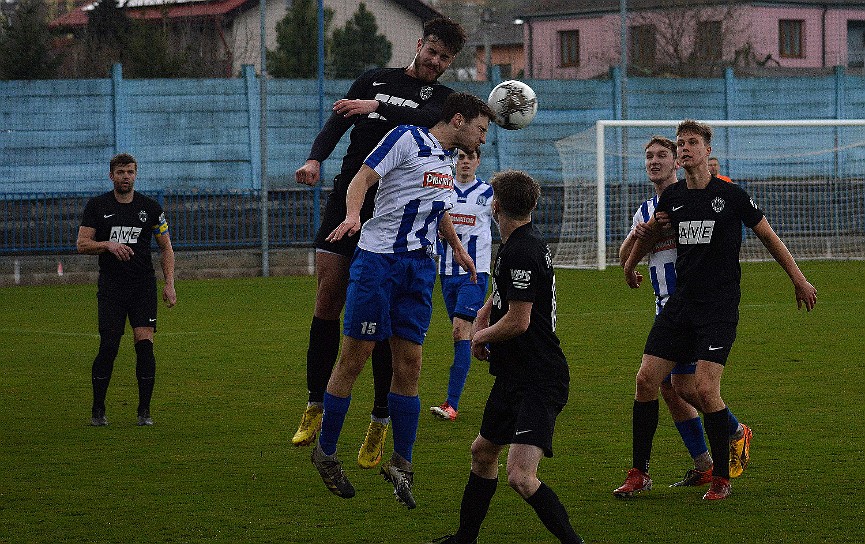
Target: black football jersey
{"x":133,"y":224}
{"x":404,"y":101}
{"x":523,"y":270}
{"x":708,"y":230}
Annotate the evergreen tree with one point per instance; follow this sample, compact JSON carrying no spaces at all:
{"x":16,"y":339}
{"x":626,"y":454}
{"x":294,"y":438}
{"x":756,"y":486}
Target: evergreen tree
{"x":148,"y":54}
{"x":358,"y":46}
{"x":296,"y":54}
{"x":108,"y":25}
{"x":25,"y":43}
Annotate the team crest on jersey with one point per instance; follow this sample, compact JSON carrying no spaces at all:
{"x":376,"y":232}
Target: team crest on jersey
{"x":142,"y":216}
{"x":437,"y":180}
{"x":426,"y":92}
{"x":718,"y":204}
{"x":482,"y":200}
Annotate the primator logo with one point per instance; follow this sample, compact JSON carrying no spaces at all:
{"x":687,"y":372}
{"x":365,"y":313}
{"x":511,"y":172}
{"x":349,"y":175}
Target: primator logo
{"x":463,"y":219}
{"x":696,"y":232}
{"x":124,"y":235}
{"x":437,"y":180}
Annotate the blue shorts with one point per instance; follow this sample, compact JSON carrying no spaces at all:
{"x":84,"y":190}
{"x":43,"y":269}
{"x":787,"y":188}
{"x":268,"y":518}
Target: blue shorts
{"x":389,"y":294}
{"x":681,"y":368}
{"x":463,"y":298}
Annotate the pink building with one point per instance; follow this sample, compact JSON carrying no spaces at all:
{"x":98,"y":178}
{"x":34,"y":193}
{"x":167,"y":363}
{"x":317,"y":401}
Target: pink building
{"x":581,"y":39}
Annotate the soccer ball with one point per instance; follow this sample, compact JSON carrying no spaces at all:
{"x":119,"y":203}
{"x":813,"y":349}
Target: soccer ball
{"x":514,"y":103}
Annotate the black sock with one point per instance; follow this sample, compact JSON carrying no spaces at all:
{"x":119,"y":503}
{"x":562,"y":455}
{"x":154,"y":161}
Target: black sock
{"x":321,"y":356}
{"x":553,"y":515}
{"x":100,"y":372}
{"x":382,"y":374}
{"x":645,"y":423}
{"x":474,"y":506}
{"x":145,"y":373}
{"x":718,"y":430}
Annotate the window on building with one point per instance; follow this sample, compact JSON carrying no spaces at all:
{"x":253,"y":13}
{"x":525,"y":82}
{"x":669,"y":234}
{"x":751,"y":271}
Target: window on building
{"x":569,"y":44}
{"x":641,"y":52}
{"x":791,"y":38}
{"x":505,"y":71}
{"x":709,"y":42}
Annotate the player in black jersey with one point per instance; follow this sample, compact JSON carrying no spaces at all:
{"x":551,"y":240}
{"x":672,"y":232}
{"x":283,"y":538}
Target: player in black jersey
{"x":119,"y":226}
{"x":699,"y":320}
{"x":516,"y":332}
{"x":377,"y":101}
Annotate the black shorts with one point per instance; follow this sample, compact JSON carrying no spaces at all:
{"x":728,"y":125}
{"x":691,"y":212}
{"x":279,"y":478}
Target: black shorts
{"x":334,"y":214}
{"x":117,"y":302}
{"x":694,"y":331}
{"x":516,"y":413}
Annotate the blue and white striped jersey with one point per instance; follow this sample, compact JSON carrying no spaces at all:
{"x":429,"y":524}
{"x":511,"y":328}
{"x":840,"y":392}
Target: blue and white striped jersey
{"x":472,"y":216}
{"x":415,"y":190}
{"x":662,"y":258}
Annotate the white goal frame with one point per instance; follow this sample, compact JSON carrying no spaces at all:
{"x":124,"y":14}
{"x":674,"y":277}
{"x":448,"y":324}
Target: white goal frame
{"x":601,"y":125}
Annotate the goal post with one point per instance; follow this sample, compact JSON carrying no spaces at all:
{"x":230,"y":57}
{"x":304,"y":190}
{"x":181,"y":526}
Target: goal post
{"x":807,"y":175}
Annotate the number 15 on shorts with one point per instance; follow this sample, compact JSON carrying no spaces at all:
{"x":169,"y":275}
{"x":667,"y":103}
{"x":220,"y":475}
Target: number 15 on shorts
{"x":368,"y":327}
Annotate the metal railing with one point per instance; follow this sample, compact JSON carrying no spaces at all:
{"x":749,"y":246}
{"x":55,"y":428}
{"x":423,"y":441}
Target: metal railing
{"x":48,"y":223}
{"x":44,"y":223}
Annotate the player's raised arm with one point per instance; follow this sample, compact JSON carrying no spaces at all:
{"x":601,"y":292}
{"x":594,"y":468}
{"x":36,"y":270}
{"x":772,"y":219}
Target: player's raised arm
{"x":805,"y":292}
{"x":365,"y":178}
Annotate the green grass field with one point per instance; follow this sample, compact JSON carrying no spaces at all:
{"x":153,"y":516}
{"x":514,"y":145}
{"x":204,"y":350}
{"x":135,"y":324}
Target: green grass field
{"x":218,"y":466}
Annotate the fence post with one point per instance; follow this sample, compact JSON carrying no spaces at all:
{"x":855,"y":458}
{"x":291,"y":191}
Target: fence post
{"x":253,"y":113}
{"x":495,"y":74}
{"x":840,"y":95}
{"x":121,"y":120}
{"x":729,"y":108}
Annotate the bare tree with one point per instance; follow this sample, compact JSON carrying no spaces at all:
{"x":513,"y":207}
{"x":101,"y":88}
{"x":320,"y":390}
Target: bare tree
{"x":696,"y":38}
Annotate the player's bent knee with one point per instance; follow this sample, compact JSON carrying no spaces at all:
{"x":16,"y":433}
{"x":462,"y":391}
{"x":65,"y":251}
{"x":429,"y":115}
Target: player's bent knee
{"x":647,"y":385}
{"x":484,"y":452}
{"x":521,"y":481}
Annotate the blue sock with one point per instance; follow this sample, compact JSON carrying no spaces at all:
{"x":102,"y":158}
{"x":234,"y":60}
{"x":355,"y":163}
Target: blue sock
{"x":734,"y":423}
{"x":459,"y":371}
{"x":404,"y":416}
{"x":692,"y":435}
{"x":335,"y":409}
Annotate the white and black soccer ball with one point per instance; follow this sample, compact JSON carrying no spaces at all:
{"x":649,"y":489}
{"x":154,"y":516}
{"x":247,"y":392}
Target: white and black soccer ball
{"x":514,"y":103}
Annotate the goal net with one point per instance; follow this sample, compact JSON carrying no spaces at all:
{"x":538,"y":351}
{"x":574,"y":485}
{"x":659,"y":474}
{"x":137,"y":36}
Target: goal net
{"x":808,"y":177}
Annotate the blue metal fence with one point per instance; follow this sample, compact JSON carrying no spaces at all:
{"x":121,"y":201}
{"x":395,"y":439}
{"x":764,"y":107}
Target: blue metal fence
{"x":48,"y":223}
{"x":35,"y":223}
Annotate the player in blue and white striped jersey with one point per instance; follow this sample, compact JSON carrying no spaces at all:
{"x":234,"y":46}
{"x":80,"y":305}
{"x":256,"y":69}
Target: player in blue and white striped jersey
{"x":472,"y":219}
{"x":392,"y":275}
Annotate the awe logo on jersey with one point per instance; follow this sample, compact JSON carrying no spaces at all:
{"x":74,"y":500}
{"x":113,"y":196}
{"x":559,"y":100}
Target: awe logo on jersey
{"x":124,"y":235}
{"x":437,"y":180}
{"x":463,"y":219}
{"x":521,"y":278}
{"x":696,"y":232}
{"x":718,"y":204}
